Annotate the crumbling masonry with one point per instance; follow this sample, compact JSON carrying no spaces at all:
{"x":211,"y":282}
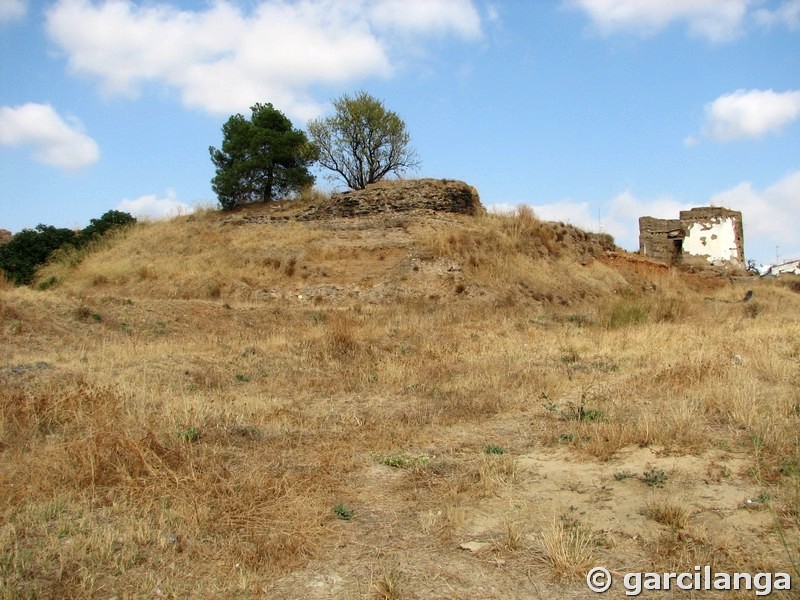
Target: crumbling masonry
{"x":700,"y":237}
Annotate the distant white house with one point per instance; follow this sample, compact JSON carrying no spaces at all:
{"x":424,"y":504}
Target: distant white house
{"x":788,"y":268}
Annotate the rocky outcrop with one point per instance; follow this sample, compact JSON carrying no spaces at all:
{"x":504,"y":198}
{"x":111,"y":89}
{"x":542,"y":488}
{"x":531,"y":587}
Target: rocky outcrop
{"x":443,"y":195}
{"x":5,"y":236}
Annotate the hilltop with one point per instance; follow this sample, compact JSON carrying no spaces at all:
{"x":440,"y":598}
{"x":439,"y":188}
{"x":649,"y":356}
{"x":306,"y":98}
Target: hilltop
{"x":359,"y":247}
{"x":283,"y":401}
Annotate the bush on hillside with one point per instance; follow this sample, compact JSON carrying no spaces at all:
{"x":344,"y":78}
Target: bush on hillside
{"x":97,"y":227}
{"x":31,"y":248}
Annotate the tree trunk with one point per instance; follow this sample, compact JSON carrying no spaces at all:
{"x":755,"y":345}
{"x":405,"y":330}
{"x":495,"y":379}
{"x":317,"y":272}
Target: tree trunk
{"x":268,"y":186}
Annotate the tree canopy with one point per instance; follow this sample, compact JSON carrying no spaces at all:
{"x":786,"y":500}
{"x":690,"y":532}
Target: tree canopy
{"x":363,"y":141}
{"x":261,"y":159}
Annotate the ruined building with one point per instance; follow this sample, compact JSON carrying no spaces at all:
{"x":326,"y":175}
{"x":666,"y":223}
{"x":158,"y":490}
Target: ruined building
{"x":700,"y":237}
{"x":402,"y":195}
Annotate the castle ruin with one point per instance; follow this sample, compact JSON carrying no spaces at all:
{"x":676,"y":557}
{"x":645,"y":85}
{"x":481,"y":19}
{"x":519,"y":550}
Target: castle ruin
{"x":704,"y":236}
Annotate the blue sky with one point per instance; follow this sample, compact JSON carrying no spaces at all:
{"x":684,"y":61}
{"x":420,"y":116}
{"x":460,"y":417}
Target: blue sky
{"x":594,"y":112}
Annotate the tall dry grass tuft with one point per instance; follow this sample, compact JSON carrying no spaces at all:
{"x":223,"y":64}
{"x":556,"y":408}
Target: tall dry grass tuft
{"x":56,"y":405}
{"x":568,"y":549}
{"x":388,"y":584}
{"x":341,"y":337}
{"x":310,"y":195}
{"x":495,"y":472}
{"x":667,"y":511}
{"x":267,"y":525}
{"x":526,"y":229}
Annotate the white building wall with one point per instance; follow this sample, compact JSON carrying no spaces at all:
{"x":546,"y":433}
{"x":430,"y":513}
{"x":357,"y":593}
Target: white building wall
{"x":714,"y":239}
{"x":789,"y":268}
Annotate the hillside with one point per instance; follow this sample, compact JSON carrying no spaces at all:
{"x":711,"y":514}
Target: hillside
{"x":405,"y":404}
{"x":266,"y":252}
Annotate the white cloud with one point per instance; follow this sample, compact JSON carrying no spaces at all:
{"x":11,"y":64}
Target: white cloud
{"x":55,"y":141}
{"x":690,"y":141}
{"x":787,"y":14}
{"x":154,"y":207}
{"x":771,"y":216}
{"x":426,"y":16}
{"x":750,"y":114}
{"x":222,"y":60}
{"x":716,"y":20}
{"x":574,"y":213}
{"x":12,"y":10}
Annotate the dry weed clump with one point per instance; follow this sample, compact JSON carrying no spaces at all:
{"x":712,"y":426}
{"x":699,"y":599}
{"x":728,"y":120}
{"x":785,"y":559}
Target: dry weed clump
{"x":265,"y":524}
{"x":496,"y":471}
{"x":513,"y":537}
{"x":388,"y":584}
{"x":667,"y":511}
{"x":341,"y":338}
{"x":55,"y":405}
{"x":567,"y":548}
{"x":309,"y":196}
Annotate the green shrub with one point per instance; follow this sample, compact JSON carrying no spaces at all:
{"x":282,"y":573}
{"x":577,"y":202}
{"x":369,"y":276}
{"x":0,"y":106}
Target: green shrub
{"x":343,"y":512}
{"x":31,"y":248}
{"x":98,"y":227}
{"x":655,"y":477}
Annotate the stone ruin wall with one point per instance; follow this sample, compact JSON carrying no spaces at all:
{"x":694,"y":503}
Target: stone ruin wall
{"x":400,"y":195}
{"x":657,"y":238}
{"x":704,"y":236}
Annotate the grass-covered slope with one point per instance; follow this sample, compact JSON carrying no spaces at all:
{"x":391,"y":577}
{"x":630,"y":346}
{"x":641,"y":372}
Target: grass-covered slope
{"x":418,"y":254}
{"x":213,"y":407}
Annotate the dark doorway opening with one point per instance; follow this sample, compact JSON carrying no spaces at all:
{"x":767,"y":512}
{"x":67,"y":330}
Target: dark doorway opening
{"x":677,"y":250}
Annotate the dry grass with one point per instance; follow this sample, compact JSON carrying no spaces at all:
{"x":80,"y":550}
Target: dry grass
{"x":512,"y":538}
{"x":667,"y":511}
{"x":568,"y":549}
{"x":175,"y":420}
{"x":388,"y":585}
{"x":508,"y":252}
